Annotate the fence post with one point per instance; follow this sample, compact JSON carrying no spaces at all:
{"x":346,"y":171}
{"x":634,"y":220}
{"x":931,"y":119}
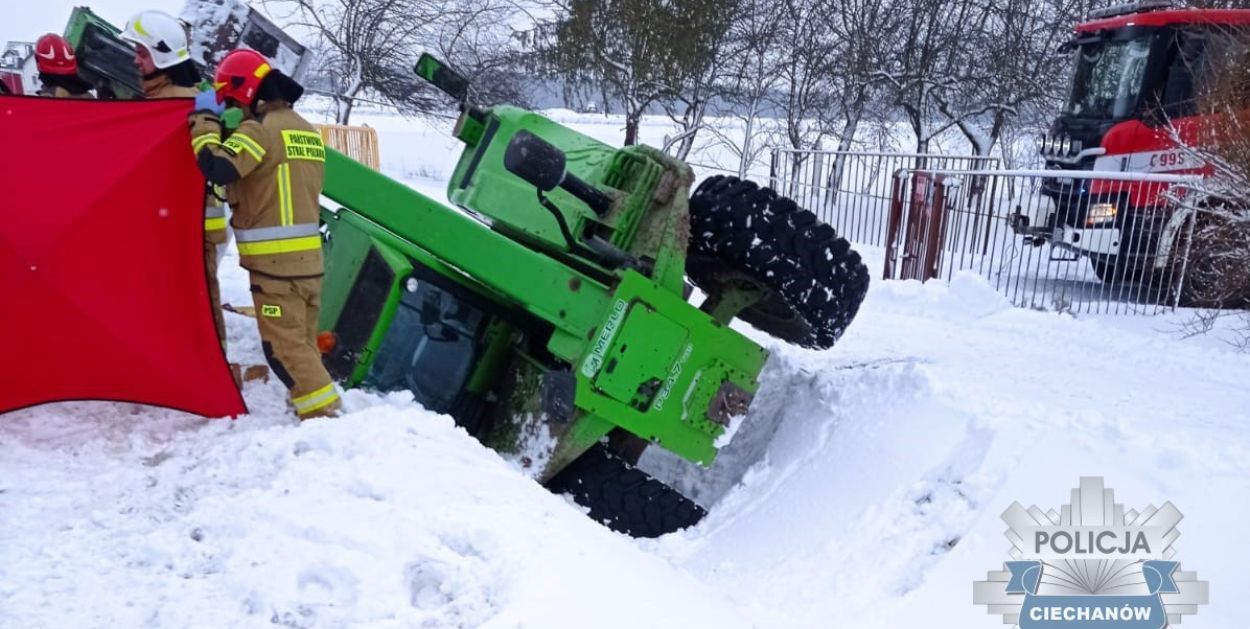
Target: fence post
{"x":772,"y":169}
{"x":894,"y":223}
{"x":934,"y":236}
{"x":817,"y":190}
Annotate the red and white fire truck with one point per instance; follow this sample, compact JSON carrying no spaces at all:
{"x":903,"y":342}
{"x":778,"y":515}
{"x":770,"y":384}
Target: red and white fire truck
{"x":1137,"y":70}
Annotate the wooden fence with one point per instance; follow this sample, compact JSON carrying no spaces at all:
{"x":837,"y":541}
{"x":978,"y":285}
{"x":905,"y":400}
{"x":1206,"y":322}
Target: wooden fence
{"x":358,"y":143}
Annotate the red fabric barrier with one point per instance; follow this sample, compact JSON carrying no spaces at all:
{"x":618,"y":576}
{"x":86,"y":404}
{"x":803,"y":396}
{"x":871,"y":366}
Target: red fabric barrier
{"x":102,"y":287}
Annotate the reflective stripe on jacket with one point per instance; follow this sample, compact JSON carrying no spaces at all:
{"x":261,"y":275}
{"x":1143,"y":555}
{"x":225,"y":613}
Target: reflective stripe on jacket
{"x":214,"y":211}
{"x":280,"y":160}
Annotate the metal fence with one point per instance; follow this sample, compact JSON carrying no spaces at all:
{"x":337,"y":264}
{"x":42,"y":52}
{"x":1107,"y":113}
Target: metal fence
{"x":1074,"y":241}
{"x":851,"y":190}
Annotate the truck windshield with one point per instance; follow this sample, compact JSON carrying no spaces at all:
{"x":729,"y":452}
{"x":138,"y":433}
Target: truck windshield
{"x":1108,"y":79}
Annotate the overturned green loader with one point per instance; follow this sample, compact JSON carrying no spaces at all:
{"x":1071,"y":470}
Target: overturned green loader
{"x":547,"y":310}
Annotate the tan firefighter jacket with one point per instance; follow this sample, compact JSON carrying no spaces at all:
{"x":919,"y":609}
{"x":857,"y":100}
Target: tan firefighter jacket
{"x":56,"y":91}
{"x":280,"y":161}
{"x":214,"y":211}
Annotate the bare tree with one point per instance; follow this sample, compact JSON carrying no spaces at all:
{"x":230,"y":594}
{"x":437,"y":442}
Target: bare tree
{"x":930,"y":65}
{"x":752,"y":72}
{"x":698,"y":78}
{"x":359,"y":43}
{"x":1217,"y":267}
{"x":1019,"y":68}
{"x":639,"y":51}
{"x":864,"y":29}
{"x":370,"y":46}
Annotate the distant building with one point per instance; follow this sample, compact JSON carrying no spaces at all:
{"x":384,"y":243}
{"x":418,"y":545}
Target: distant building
{"x":30,"y":74}
{"x":13,"y":58}
{"x":14,"y":53}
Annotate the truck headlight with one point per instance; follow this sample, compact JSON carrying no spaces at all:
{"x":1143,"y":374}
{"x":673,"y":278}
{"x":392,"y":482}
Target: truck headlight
{"x":1100,"y":213}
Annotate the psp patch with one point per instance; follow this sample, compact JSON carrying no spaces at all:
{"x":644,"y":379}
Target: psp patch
{"x":274,"y":312}
{"x":1092,"y":565}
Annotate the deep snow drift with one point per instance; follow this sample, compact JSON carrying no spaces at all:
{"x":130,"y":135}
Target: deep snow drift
{"x":863,"y":490}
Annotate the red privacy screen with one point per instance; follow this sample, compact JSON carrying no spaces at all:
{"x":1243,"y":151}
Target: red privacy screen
{"x":102,"y":287}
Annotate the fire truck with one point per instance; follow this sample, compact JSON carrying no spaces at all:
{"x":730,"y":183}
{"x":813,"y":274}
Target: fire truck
{"x":1136,"y":73}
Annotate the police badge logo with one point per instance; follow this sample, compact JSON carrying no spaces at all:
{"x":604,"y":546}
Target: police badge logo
{"x":1092,"y":565}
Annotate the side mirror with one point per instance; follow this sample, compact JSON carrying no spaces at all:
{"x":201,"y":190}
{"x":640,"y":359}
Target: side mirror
{"x":535,"y":160}
{"x":440,"y":75}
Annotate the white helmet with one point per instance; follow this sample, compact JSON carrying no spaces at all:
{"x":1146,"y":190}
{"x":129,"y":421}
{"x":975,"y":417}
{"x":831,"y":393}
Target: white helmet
{"x":162,"y":34}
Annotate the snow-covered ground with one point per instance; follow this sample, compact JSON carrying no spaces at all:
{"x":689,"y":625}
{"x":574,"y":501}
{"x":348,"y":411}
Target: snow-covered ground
{"x":863,"y":490}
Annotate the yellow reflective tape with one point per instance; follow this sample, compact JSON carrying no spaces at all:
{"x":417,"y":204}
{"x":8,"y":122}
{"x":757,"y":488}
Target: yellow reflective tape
{"x":303,"y":145}
{"x":214,"y":224}
{"x":286,"y":245}
{"x":273,"y":312}
{"x":329,"y":388}
{"x":286,"y":186}
{"x":250,"y":140}
{"x":262,"y":70}
{"x":318,"y":406}
{"x":285,"y":210}
{"x":138,"y":26}
{"x":238,"y":142}
{"x":206,"y":139}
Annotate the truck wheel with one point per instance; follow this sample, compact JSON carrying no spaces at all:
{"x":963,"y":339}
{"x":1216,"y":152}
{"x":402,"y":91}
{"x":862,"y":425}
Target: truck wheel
{"x":623,"y":498}
{"x":1110,"y":272}
{"x":813,"y":281}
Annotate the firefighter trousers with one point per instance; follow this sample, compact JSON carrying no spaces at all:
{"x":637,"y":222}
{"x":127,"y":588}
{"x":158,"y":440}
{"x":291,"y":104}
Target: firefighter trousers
{"x":286,"y":311}
{"x":214,"y":291}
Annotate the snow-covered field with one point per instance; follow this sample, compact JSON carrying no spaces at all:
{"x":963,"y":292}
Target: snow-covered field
{"x":863,"y":490}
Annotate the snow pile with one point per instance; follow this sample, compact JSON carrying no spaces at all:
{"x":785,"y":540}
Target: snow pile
{"x":112,"y":515}
{"x":873,"y":476}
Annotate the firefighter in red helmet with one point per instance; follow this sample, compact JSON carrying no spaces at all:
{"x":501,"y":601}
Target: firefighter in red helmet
{"x":58,"y":69}
{"x":273,"y":165}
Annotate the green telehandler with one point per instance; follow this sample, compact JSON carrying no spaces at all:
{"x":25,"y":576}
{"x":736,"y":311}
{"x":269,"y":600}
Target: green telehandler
{"x":546,"y":309}
{"x":547,"y":312}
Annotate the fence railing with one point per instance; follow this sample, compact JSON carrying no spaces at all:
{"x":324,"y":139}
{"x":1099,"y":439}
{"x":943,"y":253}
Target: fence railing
{"x":1076,"y":241}
{"x":851,"y":190}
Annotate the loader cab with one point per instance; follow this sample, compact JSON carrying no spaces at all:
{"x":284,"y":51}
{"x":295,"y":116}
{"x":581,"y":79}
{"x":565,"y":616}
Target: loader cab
{"x":405,"y":327}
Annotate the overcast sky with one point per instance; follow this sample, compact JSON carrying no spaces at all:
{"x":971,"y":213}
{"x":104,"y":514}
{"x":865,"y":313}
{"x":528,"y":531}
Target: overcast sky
{"x":27,"y":20}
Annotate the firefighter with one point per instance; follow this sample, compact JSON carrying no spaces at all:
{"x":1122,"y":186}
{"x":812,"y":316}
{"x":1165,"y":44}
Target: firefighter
{"x":58,"y":69}
{"x":274,"y":165}
{"x":164,"y":62}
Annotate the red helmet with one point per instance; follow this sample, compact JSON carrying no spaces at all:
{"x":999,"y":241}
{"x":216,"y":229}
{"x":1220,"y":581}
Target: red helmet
{"x":54,"y":55}
{"x":239,"y":75}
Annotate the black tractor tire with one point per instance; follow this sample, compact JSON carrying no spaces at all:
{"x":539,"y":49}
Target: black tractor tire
{"x":815,"y":282}
{"x":624,"y":498}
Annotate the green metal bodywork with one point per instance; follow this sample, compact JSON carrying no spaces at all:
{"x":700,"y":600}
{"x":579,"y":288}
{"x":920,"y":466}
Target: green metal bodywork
{"x":104,"y":59}
{"x":636,"y":354}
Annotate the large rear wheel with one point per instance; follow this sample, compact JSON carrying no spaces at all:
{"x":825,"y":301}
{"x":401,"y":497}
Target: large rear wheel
{"x":810,"y":280}
{"x":624,"y":498}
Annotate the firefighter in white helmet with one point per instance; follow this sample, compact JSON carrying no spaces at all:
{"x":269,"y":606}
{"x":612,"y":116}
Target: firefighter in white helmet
{"x":164,"y":61}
